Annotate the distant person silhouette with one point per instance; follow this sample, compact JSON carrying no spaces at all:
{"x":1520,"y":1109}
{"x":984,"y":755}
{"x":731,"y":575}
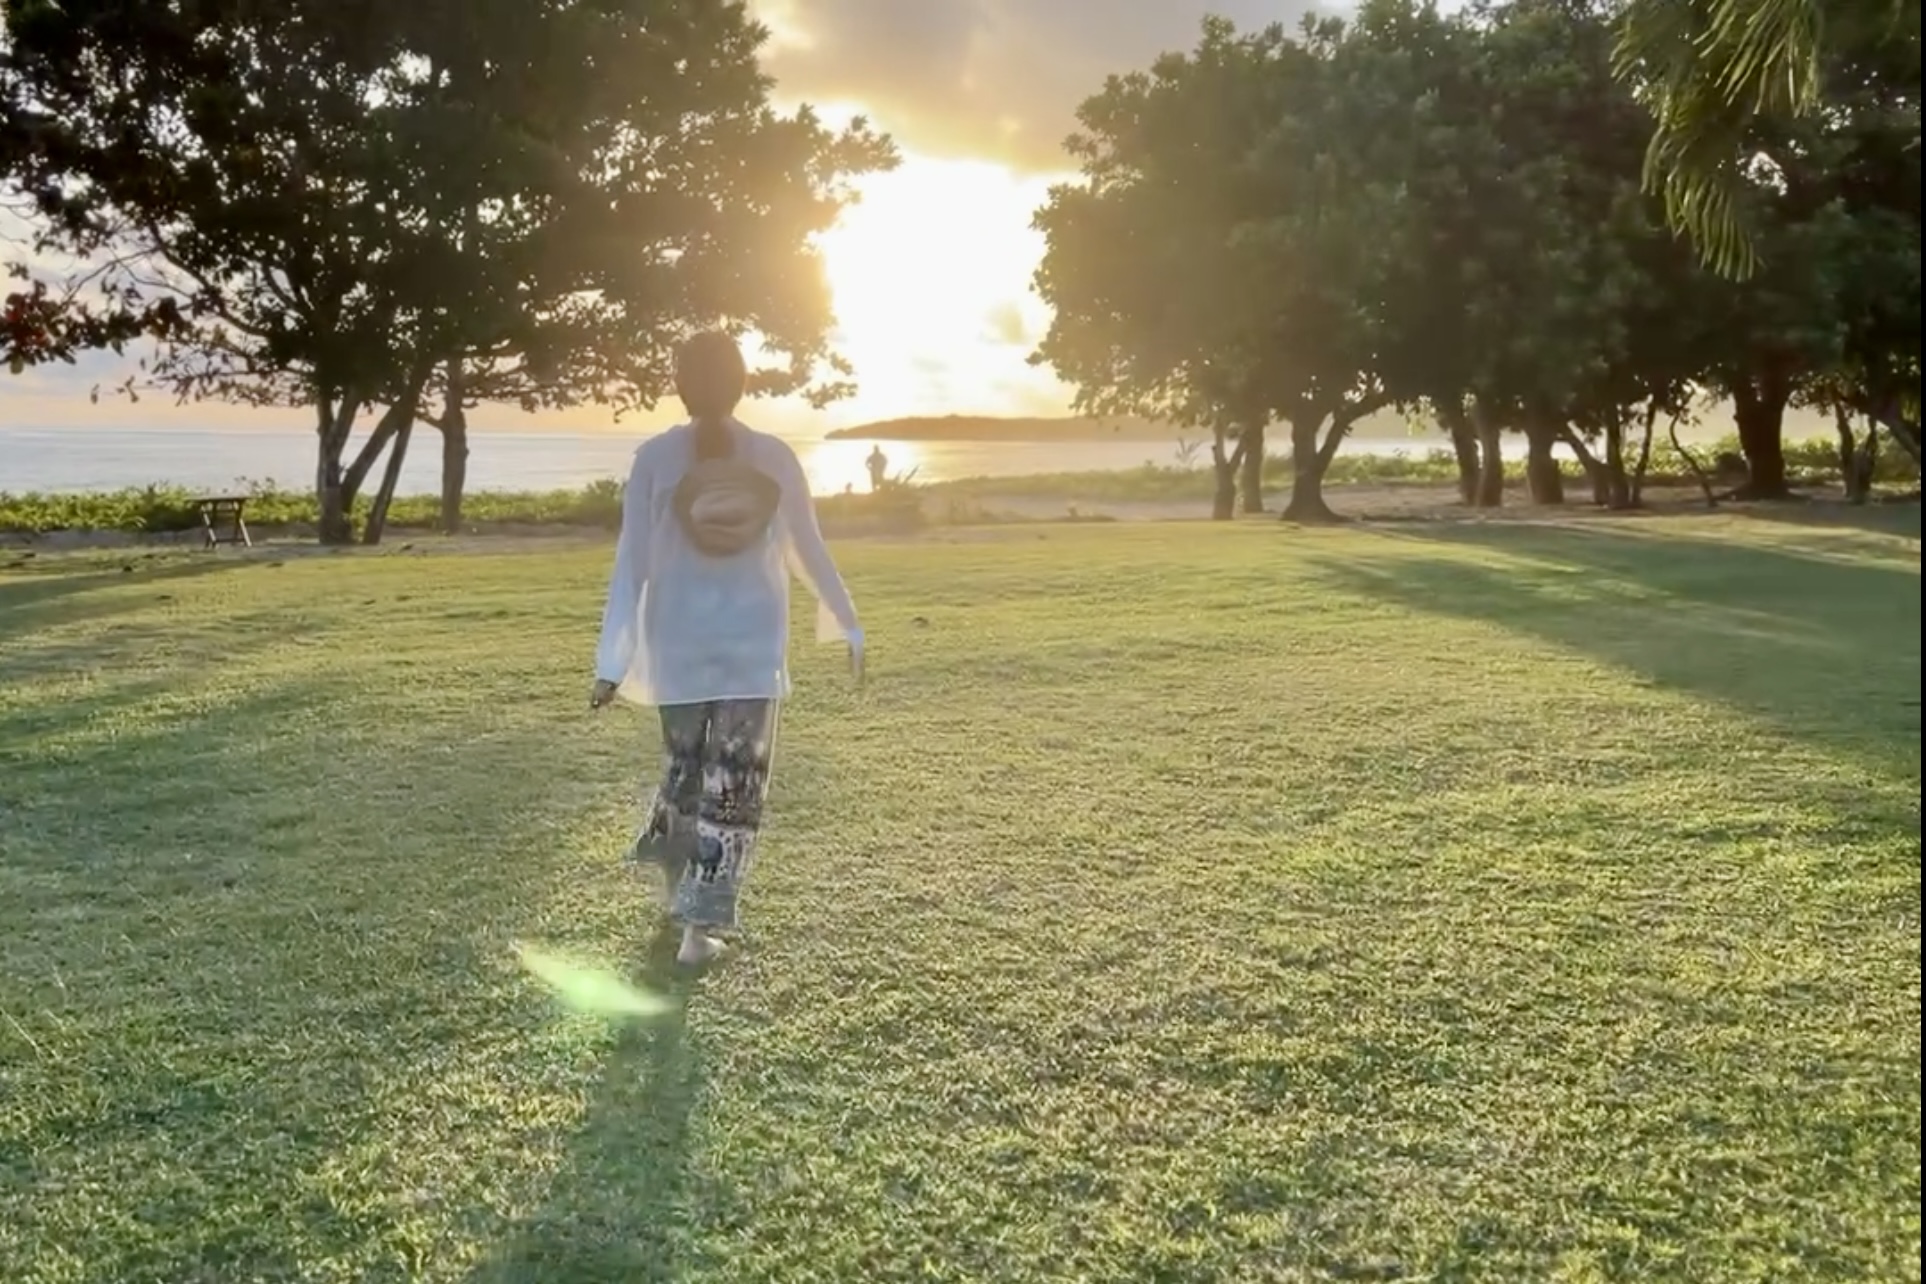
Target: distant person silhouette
{"x":878,"y":465}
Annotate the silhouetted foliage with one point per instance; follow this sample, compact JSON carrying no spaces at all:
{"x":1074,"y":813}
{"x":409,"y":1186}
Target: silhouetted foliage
{"x":1450,"y":211}
{"x":369,"y":206}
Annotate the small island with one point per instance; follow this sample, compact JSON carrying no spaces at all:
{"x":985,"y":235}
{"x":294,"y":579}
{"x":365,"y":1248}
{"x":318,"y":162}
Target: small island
{"x":997,"y":428}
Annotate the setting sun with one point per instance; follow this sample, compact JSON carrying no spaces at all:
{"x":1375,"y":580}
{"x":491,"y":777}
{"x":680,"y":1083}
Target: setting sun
{"x":931,"y":276}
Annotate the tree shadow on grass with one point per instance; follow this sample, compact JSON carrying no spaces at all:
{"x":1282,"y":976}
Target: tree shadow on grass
{"x":57,"y":691}
{"x":615,"y":1208}
{"x":1893,"y":520}
{"x":1824,"y":647}
{"x":257,"y":951}
{"x":46,"y":595}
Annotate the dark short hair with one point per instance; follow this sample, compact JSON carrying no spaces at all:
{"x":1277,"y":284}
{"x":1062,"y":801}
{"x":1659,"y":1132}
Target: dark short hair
{"x":710,"y":375}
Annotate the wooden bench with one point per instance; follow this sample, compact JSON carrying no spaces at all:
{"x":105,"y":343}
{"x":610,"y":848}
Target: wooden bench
{"x":222,"y":521}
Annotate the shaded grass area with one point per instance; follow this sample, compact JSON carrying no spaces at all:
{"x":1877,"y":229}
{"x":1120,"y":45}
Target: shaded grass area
{"x":1482,"y":903}
{"x":170,"y":509}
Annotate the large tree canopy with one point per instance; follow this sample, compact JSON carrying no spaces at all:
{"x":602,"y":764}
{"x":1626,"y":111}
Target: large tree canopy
{"x":1449,"y":212}
{"x":529,"y":201}
{"x":1216,"y":264}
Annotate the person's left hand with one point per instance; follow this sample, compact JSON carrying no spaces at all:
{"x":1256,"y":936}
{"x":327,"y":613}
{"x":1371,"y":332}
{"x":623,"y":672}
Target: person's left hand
{"x":602,"y":694}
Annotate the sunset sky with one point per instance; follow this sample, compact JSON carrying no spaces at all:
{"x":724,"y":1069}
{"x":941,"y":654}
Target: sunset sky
{"x":932,"y":271}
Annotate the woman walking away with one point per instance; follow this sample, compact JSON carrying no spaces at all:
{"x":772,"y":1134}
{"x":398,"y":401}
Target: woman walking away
{"x":714,"y":517}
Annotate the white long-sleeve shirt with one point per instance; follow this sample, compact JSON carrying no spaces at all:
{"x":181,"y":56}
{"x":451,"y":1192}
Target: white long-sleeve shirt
{"x":683,"y":627}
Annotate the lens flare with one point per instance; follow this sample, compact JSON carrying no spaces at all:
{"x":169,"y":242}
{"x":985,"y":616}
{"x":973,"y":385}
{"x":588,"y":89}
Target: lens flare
{"x":586,"y":987}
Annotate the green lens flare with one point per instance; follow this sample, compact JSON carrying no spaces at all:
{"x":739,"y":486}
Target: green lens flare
{"x":586,"y":987}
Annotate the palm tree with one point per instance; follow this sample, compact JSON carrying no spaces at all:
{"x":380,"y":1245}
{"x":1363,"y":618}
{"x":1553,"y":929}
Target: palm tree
{"x":1712,"y":68}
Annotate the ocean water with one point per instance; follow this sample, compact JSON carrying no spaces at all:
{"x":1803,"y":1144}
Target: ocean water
{"x":84,"y":458}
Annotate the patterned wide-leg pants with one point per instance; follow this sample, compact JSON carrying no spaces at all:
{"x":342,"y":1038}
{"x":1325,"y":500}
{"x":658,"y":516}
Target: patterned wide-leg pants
{"x":703,"y":822}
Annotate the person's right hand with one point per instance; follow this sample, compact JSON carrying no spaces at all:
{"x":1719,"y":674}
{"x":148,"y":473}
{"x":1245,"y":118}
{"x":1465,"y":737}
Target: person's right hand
{"x":602,"y":694}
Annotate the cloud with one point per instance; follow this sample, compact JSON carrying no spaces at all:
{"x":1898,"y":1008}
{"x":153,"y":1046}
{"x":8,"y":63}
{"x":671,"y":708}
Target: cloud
{"x":993,"y":79}
{"x":1006,"y":325}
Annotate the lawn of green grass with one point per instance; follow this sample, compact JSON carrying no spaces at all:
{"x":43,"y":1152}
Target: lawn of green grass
{"x":1176,"y":903}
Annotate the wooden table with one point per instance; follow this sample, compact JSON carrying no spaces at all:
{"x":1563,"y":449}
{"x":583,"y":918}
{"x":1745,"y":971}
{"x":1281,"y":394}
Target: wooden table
{"x":222,"y":521}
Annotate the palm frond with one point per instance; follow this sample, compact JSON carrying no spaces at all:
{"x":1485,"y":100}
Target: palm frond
{"x":1708,"y":68}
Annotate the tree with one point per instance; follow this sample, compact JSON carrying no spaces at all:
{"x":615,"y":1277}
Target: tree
{"x":1154,"y":150}
{"x":1879,"y":375}
{"x":1549,"y":295}
{"x":1787,"y":144}
{"x":1213,"y":265}
{"x":1873,"y":168}
{"x":569,"y":319}
{"x":1659,"y":349}
{"x":1418,"y":109}
{"x":1511,"y":152}
{"x":1584,"y":344}
{"x":1836,"y":280}
{"x":362,"y":199}
{"x":1449,"y":212}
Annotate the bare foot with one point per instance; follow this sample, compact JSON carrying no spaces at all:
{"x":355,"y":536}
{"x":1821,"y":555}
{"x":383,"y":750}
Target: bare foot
{"x":698,"y":948}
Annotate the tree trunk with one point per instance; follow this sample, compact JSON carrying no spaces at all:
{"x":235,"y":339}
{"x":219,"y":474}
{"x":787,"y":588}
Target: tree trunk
{"x":1759,"y":413}
{"x":1904,"y":431}
{"x":1618,"y":483}
{"x":454,"y":471}
{"x":1491,"y":445}
{"x":1692,"y":462}
{"x":333,"y":495}
{"x":1251,"y":482}
{"x":1644,"y":455}
{"x":1858,"y":456}
{"x":1865,"y":465}
{"x":1848,"y":447}
{"x":1884,"y":413}
{"x":378,"y":512}
{"x":1595,"y":468}
{"x":1464,"y":445}
{"x":336,"y":485}
{"x":454,"y":450}
{"x":336,"y":506}
{"x":394,"y":420}
{"x":1543,"y":480}
{"x":1223,"y":500}
{"x":1308,"y":465}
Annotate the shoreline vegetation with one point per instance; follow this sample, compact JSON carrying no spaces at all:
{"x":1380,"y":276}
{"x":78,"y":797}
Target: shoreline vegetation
{"x":1071,"y":429}
{"x":161,"y":511}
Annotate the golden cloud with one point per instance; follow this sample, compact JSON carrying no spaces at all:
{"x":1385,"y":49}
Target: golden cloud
{"x":989,"y":79}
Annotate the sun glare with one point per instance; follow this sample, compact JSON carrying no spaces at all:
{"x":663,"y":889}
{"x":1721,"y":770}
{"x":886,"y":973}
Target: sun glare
{"x":931,"y":276}
{"x":786,"y":27}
